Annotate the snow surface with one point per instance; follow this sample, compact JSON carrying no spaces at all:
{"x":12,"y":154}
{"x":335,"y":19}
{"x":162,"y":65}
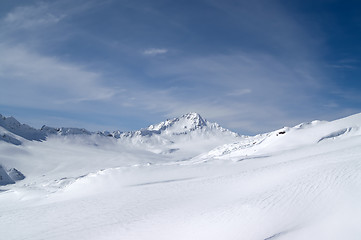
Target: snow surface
{"x":185,"y":178}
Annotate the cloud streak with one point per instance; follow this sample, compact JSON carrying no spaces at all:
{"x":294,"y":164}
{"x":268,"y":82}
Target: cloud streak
{"x":33,"y":79}
{"x":32,"y":16}
{"x":239,"y":92}
{"x":155,"y":51}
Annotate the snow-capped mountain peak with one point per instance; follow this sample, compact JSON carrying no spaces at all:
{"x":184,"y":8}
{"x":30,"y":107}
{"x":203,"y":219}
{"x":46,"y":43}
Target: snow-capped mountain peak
{"x":189,"y":121}
{"x":195,"y":118}
{"x":14,"y":126}
{"x":171,"y":135}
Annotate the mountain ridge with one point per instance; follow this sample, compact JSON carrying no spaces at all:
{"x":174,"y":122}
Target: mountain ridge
{"x":23,"y":130}
{"x":190,"y":124}
{"x":182,"y":125}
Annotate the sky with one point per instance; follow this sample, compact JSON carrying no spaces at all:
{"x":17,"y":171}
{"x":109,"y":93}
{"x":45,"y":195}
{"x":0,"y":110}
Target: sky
{"x":251,"y":66}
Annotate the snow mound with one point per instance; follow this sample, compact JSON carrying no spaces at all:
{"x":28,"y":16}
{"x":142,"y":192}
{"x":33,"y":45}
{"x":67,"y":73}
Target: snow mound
{"x":309,"y":124}
{"x":337,"y":133}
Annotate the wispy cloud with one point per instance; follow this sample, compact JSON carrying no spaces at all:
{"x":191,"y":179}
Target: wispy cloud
{"x":33,"y":16}
{"x":155,"y":51}
{"x":344,"y":66}
{"x":33,"y":79}
{"x":239,"y":92}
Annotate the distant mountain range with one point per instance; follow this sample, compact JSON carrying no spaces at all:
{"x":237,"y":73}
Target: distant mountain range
{"x":191,"y":123}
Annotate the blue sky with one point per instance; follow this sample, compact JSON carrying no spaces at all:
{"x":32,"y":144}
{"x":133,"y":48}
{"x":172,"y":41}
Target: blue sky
{"x":252,"y":66}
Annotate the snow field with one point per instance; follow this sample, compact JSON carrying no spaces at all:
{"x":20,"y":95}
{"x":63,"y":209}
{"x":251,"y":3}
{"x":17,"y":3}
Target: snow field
{"x":300,"y":184}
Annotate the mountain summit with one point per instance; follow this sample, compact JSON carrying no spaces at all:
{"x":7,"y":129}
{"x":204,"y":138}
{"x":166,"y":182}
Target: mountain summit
{"x":189,"y":121}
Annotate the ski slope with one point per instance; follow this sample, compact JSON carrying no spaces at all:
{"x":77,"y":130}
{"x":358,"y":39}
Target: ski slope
{"x":184,"y":178}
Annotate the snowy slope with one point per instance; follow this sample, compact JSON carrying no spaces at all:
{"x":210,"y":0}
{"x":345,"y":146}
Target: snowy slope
{"x":302,"y":135}
{"x":12,"y":125}
{"x":297,"y":182}
{"x":9,"y":137}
